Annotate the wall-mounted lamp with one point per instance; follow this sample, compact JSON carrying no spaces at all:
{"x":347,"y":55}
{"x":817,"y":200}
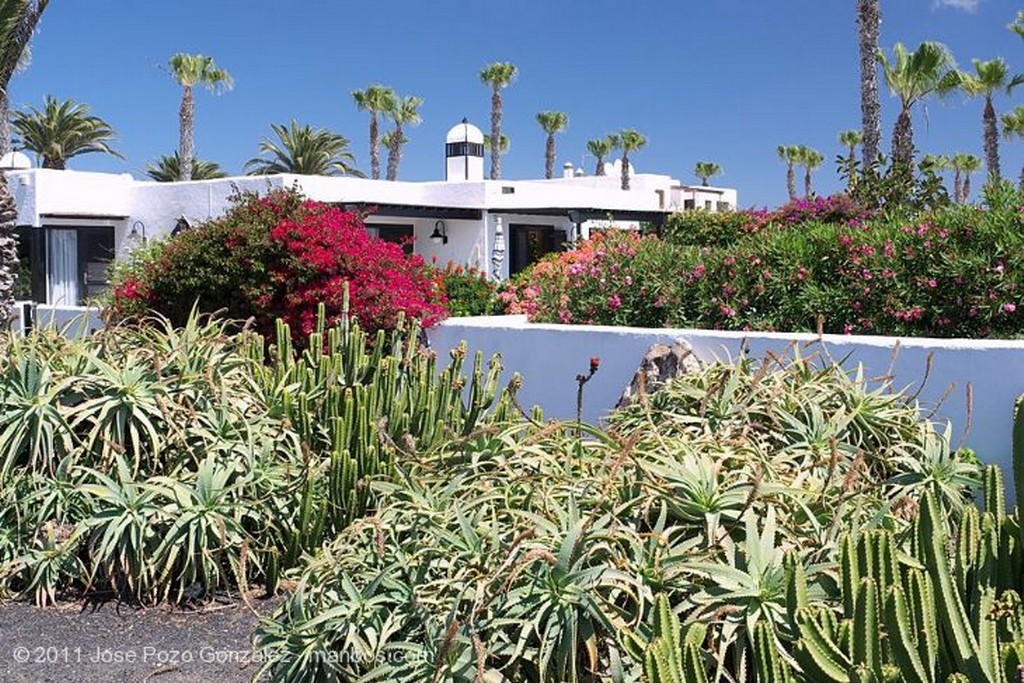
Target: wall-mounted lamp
{"x":138,"y":232}
{"x":181,"y":226}
{"x":440,"y":234}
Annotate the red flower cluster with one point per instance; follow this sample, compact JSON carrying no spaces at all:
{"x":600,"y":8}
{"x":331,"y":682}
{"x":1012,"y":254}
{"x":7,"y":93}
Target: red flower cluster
{"x":281,"y":256}
{"x":325,"y":248}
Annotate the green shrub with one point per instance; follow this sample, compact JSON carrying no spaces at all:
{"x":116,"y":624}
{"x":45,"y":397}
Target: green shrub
{"x":468,"y":290}
{"x":706,"y":228}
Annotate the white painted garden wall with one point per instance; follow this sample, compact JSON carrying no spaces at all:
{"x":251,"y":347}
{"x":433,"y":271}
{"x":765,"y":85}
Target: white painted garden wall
{"x":550,"y":356}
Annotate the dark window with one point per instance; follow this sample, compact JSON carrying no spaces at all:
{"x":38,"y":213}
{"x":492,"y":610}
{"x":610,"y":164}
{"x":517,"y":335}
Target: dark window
{"x":397,"y":234}
{"x":464,"y":149}
{"x":689,"y":204}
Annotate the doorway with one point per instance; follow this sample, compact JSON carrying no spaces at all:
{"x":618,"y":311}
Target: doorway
{"x":530,"y":243}
{"x":78,"y":263}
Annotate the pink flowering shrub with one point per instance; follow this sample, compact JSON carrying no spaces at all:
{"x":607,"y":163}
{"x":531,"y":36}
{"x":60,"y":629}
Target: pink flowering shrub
{"x":953,"y":272}
{"x":614,"y":278}
{"x":279,"y":256}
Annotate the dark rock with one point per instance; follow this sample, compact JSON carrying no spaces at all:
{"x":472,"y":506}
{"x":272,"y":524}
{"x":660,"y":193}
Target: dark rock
{"x":660,"y":364}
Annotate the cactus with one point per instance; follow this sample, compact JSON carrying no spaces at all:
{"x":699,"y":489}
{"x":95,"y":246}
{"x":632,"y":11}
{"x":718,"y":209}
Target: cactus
{"x":672,"y":655}
{"x":356,"y":404}
{"x":1018,"y":455}
{"x":933,"y":619}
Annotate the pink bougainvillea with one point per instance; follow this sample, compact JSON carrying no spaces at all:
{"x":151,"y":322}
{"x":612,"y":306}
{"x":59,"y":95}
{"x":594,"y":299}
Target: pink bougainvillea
{"x":281,"y":256}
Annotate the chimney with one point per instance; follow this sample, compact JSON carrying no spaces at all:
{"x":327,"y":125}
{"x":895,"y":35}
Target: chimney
{"x":567,"y":170}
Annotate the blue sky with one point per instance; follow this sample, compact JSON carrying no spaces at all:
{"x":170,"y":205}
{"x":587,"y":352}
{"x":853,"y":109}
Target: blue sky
{"x":725,"y":81}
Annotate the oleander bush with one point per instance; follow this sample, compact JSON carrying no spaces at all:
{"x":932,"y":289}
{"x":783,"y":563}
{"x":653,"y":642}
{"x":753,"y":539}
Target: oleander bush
{"x":825,"y":265}
{"x":277,"y":256}
{"x":529,"y":554}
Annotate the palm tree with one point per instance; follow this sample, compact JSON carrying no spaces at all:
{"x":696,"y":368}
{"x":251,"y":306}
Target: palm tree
{"x":811,"y":160}
{"x":552,"y":123}
{"x":601,"y":148}
{"x":705,"y":170}
{"x":869,"y":22}
{"x":190,"y":71}
{"x":403,"y":111}
{"x":1013,"y":127}
{"x":912,"y":77}
{"x":167,"y":169}
{"x":1018,"y":24}
{"x":62,"y":130}
{"x":966,"y":164}
{"x":503,"y":145}
{"x":303,"y":150}
{"x":941,"y":163}
{"x":629,"y":141}
{"x":376,"y":99}
{"x":498,"y":76}
{"x":18,"y":21}
{"x":851,"y":139}
{"x":989,"y":78}
{"x":790,"y":154}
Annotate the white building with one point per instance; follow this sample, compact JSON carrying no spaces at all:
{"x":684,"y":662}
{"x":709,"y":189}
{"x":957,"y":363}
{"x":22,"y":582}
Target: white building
{"x":72,"y":224}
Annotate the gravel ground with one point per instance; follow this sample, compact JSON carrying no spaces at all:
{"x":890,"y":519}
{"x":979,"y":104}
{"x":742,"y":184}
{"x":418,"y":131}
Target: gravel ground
{"x":74,"y":642}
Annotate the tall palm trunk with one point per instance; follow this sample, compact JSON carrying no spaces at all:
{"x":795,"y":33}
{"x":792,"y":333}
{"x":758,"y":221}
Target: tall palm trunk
{"x":851,"y":168}
{"x":625,"y":171}
{"x":186,"y":125}
{"x":869,"y":22}
{"x":395,"y":152}
{"x":55,"y":163}
{"x":599,"y":168}
{"x":374,"y":146}
{"x":958,"y":187}
{"x":8,"y":252}
{"x":991,"y":141}
{"x":496,"y":134}
{"x":807,"y":183}
{"x":903,"y":141}
{"x":966,"y":189}
{"x":5,"y":123}
{"x":791,"y":180}
{"x":549,"y":157}
{"x":1022,"y":178}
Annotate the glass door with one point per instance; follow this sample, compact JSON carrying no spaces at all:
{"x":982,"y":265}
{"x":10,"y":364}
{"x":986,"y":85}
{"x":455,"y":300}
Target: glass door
{"x":62,"y":276}
{"x":77,"y":264}
{"x":95,"y":254}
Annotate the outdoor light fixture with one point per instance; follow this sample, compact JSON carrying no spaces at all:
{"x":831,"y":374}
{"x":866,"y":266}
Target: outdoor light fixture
{"x":440,"y":234}
{"x":138,"y":232}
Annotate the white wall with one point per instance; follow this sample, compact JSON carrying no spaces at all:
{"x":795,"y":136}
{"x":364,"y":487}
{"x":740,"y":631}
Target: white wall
{"x":550,"y":356}
{"x":701,"y":195}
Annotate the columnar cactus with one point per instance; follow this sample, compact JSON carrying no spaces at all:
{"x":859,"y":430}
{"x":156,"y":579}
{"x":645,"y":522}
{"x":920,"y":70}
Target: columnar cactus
{"x":356,"y":404}
{"x":940,"y":615}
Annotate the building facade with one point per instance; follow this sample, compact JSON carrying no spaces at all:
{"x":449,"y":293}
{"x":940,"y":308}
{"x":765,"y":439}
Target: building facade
{"x":73,"y":224}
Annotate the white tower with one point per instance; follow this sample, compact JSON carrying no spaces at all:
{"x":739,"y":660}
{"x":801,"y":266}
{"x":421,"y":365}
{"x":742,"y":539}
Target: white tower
{"x":464,"y":153}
